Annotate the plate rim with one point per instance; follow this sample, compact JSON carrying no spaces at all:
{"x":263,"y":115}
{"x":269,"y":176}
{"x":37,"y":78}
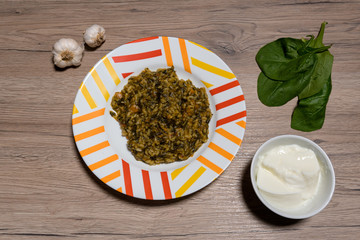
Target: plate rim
{"x":173,"y":196}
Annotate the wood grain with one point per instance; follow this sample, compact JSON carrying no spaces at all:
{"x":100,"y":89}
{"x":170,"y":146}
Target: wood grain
{"x":46,"y":191}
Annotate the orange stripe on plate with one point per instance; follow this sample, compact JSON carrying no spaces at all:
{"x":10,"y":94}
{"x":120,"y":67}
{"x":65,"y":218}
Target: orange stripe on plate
{"x":224,"y":87}
{"x":147,"y":184}
{"x":190,"y":182}
{"x":231,"y":118}
{"x":221,"y":151}
{"x":90,"y":133}
{"x":210,"y":165}
{"x":168,"y":57}
{"x":228,"y":135}
{"x":103,"y":162}
{"x":94,"y":148}
{"x":229,"y":102}
{"x":241,"y":124}
{"x":143,"y":39}
{"x":120,"y":189}
{"x":176,"y":172}
{"x":127,"y":178}
{"x":88,"y":116}
{"x":184,"y":54}
{"x":110,"y":177}
{"x":166,"y":185}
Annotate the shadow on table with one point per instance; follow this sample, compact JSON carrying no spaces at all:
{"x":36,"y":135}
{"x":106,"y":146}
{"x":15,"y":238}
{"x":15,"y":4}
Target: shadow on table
{"x":256,"y":206}
{"x":125,"y":197}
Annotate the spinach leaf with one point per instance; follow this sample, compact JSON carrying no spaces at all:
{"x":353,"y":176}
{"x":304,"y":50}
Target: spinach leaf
{"x":277,"y":93}
{"x":280,"y":60}
{"x":297,"y":67}
{"x":309,"y":114}
{"x":322,"y":69}
{"x":320,"y":75}
{"x":318,"y":42}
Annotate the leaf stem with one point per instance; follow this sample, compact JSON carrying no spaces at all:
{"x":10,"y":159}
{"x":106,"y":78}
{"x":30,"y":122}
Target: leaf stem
{"x":320,"y":36}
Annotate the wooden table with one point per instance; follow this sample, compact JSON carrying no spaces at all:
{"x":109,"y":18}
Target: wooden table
{"x":47,"y":192}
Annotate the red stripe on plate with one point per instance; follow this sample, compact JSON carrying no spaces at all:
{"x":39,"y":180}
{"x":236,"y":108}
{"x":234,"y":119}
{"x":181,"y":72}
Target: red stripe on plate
{"x":231,"y":118}
{"x":147,"y":184}
{"x":224,"y":87}
{"x":126,"y":74}
{"x":143,"y":39}
{"x":137,"y":56}
{"x":229,"y":102}
{"x":127,"y":178}
{"x":166,"y":185}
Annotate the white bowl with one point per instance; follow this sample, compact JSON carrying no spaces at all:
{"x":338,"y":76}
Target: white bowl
{"x":327,"y":182}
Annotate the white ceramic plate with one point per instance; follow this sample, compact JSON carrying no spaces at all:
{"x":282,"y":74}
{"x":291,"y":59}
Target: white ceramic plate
{"x":98,"y":135}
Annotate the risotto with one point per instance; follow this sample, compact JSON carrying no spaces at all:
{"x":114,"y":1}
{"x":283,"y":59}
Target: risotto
{"x":164,"y":118}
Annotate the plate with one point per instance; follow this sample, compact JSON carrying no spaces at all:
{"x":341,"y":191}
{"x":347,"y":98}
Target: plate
{"x":98,"y":135}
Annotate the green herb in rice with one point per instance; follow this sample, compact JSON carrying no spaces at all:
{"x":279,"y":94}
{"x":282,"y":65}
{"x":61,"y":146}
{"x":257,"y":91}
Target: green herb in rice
{"x":164,"y":118}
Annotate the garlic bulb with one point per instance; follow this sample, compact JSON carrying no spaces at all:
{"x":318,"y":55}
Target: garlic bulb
{"x":67,"y":52}
{"x":94,"y":36}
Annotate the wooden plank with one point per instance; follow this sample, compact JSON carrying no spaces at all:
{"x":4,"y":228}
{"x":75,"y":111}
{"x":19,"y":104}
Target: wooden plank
{"x":47,"y":192}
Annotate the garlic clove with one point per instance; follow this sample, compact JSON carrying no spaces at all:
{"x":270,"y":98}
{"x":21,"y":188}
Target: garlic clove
{"x":94,"y":36}
{"x":67,"y":52}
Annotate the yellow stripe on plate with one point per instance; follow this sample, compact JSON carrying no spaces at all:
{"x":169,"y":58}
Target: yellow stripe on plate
{"x":212,"y":69}
{"x":199,"y":45}
{"x":75,"y":110}
{"x":87,"y":96}
{"x":111,"y":70}
{"x":176,"y":172}
{"x":190,"y":181}
{"x":208,"y":85}
{"x":100,"y":84}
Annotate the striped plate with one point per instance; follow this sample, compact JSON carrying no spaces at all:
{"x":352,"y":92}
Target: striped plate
{"x":98,"y":135}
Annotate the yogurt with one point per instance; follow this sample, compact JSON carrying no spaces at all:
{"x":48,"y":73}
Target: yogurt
{"x":288,"y":176}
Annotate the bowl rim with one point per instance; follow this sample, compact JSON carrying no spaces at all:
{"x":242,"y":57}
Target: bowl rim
{"x":327,"y":163}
